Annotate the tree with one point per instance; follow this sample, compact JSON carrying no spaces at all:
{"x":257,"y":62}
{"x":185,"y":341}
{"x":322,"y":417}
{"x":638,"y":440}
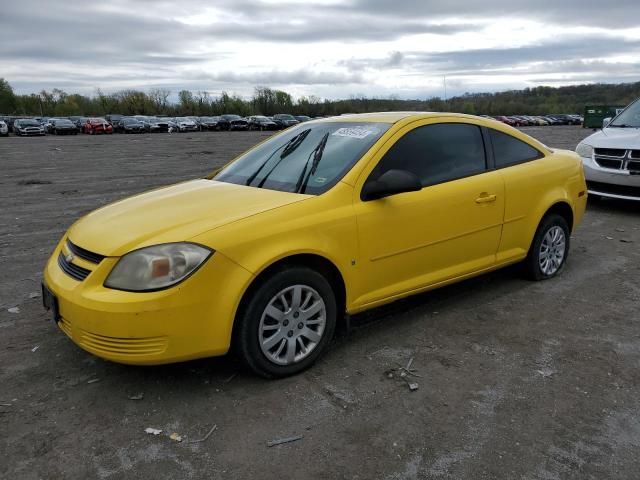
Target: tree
{"x":8,"y":102}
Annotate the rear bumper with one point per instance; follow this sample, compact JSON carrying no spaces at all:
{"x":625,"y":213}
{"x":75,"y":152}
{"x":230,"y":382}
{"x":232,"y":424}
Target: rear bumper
{"x":191,"y":320}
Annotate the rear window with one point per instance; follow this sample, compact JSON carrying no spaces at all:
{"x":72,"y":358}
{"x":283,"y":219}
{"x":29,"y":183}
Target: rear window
{"x":508,"y":150}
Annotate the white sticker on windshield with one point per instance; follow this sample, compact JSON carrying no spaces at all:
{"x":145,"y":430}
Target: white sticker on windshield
{"x":354,"y":132}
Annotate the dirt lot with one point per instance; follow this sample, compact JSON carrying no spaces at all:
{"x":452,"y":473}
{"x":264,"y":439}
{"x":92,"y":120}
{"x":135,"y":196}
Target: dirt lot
{"x":519,"y":380}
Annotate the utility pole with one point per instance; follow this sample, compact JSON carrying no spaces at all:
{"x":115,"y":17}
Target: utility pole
{"x":446,"y":103}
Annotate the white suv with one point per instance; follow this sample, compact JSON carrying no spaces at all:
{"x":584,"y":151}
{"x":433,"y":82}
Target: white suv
{"x":611,"y":157}
{"x":4,"y":130}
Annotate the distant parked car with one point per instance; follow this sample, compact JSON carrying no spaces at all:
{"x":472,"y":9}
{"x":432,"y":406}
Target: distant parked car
{"x":27,"y":127}
{"x":260,"y":122}
{"x":185,"y":124}
{"x":302,"y":118}
{"x":150,"y":124}
{"x":62,"y":126}
{"x":96,"y":125}
{"x":78,"y":121}
{"x":236,"y":122}
{"x":521,"y":121}
{"x":129,"y":125}
{"x":509,"y":121}
{"x":284,"y":120}
{"x":209,"y":123}
{"x":4,"y":129}
{"x":114,"y":118}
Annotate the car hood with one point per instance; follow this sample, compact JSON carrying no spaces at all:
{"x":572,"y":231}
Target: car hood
{"x":627,"y":138}
{"x":172,"y":214}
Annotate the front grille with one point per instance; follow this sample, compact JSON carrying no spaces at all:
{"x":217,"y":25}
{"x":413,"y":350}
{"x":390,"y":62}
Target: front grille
{"x":626,"y":191}
{"x":84,"y":254}
{"x":74,"y":271}
{"x":122,"y":346}
{"x":609,"y":163}
{"x":634,"y":167}
{"x":635,"y":154}
{"x":610,"y":152}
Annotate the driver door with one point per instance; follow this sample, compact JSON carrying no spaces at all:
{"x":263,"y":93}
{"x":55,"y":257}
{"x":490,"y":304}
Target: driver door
{"x":450,"y":228}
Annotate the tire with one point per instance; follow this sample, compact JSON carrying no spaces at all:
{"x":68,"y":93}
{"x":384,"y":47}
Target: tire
{"x":253,"y":323}
{"x":552,"y":235}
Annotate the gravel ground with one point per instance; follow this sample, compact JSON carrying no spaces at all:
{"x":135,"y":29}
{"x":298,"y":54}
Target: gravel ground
{"x":518,"y":380}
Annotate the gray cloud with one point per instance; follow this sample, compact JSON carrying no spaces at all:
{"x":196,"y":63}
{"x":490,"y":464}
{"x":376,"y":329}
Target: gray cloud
{"x":147,"y":43}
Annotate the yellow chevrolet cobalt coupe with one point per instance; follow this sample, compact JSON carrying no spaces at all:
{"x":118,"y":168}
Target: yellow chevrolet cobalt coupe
{"x":328,"y":218}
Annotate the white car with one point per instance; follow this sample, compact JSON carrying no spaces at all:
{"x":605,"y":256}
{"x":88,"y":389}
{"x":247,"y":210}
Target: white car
{"x":186,"y":125}
{"x":611,"y":157}
{"x":4,"y":129}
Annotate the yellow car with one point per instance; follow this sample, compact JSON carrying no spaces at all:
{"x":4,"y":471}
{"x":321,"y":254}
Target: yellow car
{"x":328,"y":218}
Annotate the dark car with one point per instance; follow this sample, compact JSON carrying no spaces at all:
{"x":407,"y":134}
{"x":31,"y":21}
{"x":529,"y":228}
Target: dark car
{"x":129,"y":125}
{"x":236,"y":122}
{"x":114,"y":118}
{"x":209,"y":123}
{"x":521,"y":121}
{"x":260,"y":122}
{"x":151,"y":124}
{"x":27,"y":127}
{"x":62,"y":126}
{"x":78,"y":121}
{"x":284,"y":120}
{"x":302,"y":118}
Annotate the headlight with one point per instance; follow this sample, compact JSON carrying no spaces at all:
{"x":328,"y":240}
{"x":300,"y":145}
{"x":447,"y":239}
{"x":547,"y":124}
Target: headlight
{"x":157,"y":267}
{"x":584,"y":150}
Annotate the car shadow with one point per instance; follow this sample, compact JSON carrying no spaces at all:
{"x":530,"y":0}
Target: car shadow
{"x":228,"y":373}
{"x":614,"y":205}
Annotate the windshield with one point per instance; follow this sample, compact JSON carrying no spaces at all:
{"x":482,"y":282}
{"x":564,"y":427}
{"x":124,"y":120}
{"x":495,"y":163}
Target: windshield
{"x":278,"y":163}
{"x":130,"y":121}
{"x":231,"y":117}
{"x":28,"y":123}
{"x":629,"y":118}
{"x":63,"y":122}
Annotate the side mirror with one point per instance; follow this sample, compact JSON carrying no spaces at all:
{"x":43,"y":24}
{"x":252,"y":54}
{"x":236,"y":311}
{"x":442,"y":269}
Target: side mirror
{"x":606,"y":122}
{"x":390,"y":183}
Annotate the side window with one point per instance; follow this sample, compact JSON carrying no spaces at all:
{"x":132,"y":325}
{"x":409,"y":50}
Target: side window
{"x":508,"y":150}
{"x":437,"y":153}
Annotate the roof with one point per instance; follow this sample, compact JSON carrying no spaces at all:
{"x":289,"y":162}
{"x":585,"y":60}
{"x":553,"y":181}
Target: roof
{"x":391,"y":117}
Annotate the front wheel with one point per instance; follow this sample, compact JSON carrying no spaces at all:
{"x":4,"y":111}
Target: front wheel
{"x":287,"y":322}
{"x":549,"y":249}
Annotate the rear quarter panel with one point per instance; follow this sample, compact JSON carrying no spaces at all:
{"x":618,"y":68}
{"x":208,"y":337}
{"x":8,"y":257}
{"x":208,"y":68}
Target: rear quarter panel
{"x":531,"y":189}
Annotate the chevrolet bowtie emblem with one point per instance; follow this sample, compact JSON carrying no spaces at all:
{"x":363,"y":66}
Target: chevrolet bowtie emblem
{"x":69,"y":258}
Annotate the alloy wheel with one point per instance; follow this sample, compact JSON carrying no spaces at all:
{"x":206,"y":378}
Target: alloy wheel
{"x":292,"y":325}
{"x":552,"y":250}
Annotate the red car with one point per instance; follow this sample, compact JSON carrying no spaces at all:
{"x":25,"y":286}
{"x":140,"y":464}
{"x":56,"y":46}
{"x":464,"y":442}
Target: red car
{"x":507,"y":120}
{"x":93,"y":126}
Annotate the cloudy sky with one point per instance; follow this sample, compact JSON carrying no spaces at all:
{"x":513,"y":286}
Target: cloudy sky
{"x":328,"y":48}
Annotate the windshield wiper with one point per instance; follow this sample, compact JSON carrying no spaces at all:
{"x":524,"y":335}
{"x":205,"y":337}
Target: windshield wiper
{"x":623,"y":125}
{"x":303,"y":180}
{"x":288,"y":147}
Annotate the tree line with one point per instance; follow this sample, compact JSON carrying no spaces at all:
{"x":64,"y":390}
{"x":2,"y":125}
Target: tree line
{"x":268,"y":101}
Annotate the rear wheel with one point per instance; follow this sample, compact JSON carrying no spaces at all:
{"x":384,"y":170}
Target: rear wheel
{"x":287,"y":322}
{"x":549,"y":249}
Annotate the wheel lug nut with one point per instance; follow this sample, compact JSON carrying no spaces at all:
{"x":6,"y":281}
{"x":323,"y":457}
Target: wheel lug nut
{"x":300,"y":325}
{"x":296,"y":315}
{"x":285,"y":323}
{"x":290,"y":333}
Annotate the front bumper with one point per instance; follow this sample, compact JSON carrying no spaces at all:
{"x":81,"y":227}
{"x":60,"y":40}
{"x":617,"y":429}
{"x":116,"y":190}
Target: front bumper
{"x":611,"y":183}
{"x":191,"y":320}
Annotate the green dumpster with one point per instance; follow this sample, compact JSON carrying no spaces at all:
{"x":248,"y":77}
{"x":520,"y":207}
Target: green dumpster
{"x":594,"y":115}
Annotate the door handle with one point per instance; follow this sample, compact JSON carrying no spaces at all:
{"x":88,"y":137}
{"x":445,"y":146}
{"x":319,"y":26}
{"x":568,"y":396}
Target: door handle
{"x":486,"y":198}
